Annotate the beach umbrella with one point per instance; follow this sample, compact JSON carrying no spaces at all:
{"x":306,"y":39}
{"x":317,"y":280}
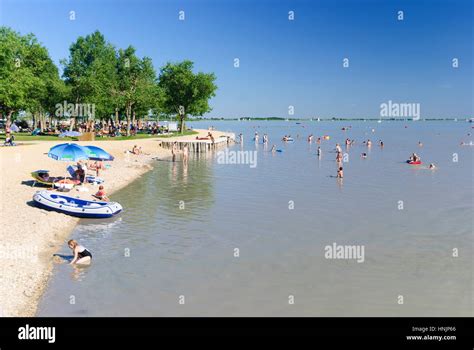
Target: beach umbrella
{"x":97,"y":153}
{"x":70,"y":134}
{"x":70,"y":152}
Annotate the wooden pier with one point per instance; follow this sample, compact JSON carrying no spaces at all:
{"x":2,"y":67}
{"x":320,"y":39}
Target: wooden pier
{"x":221,"y":139}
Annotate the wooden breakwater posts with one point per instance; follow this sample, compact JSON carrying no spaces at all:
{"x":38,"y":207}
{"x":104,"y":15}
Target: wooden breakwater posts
{"x":200,"y":146}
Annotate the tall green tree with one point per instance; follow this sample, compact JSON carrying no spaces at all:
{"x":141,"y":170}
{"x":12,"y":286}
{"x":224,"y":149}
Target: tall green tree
{"x":90,"y":72}
{"x":186,"y":93}
{"x":18,"y":66}
{"x":136,"y":83}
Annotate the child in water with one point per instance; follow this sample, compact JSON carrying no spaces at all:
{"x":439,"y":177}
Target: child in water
{"x":81,"y":255}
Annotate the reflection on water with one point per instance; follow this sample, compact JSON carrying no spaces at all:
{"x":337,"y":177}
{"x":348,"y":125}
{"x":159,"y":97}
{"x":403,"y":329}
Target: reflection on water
{"x":183,"y":224}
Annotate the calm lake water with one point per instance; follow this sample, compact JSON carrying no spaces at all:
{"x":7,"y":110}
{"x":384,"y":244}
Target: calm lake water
{"x":156,"y":251}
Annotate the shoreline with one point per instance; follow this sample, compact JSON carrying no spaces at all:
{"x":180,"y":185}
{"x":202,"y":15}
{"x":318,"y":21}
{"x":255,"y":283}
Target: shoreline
{"x":30,"y":236}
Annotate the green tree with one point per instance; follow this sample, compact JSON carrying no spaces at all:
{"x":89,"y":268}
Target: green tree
{"x":185,"y":92}
{"x":136,"y":84}
{"x":90,"y":72}
{"x":18,"y":65}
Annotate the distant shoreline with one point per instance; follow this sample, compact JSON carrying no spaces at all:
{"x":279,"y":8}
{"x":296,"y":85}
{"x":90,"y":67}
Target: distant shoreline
{"x":332,"y":119}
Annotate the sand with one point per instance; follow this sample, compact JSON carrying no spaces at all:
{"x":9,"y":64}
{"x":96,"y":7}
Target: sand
{"x":29,"y":236}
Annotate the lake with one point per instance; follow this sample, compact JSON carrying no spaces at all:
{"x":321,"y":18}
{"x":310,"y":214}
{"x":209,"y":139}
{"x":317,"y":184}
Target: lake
{"x":214,"y":238}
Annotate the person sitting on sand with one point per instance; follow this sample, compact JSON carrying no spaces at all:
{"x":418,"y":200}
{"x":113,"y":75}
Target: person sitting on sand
{"x":80,"y":172}
{"x":81,"y":255}
{"x":101,"y":194}
{"x":340,"y":173}
{"x":136,"y":150}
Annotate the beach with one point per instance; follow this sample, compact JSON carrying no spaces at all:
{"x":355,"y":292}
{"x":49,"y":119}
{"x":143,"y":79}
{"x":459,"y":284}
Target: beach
{"x":30,"y":236}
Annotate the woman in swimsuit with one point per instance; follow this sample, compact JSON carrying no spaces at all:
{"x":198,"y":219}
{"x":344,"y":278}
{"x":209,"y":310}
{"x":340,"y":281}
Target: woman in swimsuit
{"x":81,"y":255}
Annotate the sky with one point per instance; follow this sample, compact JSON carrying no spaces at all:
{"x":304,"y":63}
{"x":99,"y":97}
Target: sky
{"x":285,"y":66}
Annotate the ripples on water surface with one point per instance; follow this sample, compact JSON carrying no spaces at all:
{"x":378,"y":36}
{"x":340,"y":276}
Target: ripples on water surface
{"x":190,"y":252}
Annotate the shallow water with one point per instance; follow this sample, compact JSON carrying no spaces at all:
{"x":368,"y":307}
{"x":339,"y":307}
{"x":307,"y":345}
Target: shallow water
{"x":155,"y":251}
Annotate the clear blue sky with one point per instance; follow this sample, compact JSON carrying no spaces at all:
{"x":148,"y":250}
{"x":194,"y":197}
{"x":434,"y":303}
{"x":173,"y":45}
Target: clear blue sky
{"x":284,"y":62}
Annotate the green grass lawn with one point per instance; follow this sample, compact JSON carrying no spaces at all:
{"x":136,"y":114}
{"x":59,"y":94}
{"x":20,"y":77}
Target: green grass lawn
{"x":29,"y":137}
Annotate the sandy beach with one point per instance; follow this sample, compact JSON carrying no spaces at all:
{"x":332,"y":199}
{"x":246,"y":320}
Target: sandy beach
{"x":29,"y":236}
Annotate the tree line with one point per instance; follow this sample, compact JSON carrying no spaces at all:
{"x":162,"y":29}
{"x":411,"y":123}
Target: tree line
{"x":116,"y":82}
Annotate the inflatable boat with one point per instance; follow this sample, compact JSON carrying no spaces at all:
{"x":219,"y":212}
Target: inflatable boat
{"x":74,"y":206}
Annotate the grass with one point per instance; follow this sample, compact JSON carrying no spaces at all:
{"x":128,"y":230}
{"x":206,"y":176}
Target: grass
{"x":29,"y":137}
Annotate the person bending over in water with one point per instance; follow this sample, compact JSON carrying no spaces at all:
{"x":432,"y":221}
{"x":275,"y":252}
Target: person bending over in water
{"x":81,"y":255}
{"x":340,"y":173}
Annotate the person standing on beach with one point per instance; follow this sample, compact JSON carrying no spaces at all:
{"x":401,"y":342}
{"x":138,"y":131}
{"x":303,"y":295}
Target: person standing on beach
{"x":81,"y":255}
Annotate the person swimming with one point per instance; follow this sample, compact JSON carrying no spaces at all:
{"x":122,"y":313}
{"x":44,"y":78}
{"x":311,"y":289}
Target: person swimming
{"x":81,"y":255}
{"x":432,"y":166}
{"x":364,"y":155}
